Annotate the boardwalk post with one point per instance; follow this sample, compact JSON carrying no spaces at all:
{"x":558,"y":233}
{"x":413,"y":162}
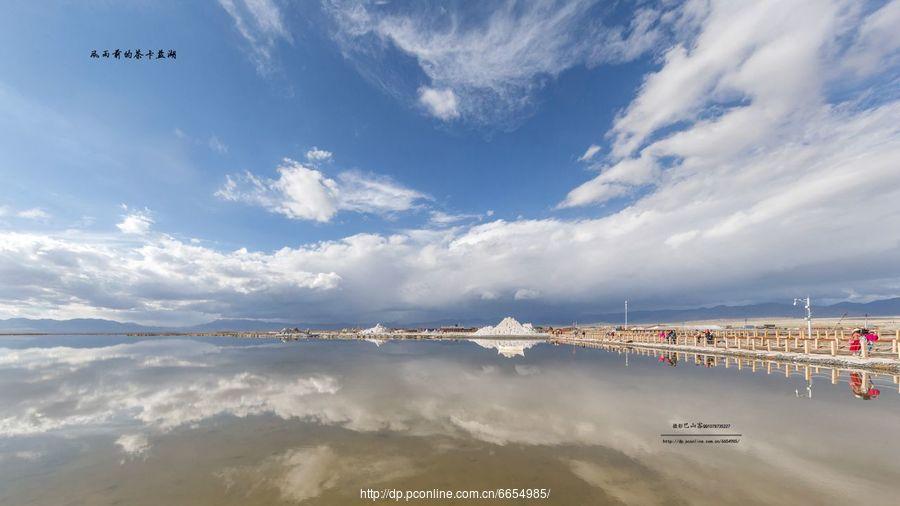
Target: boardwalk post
{"x":834,"y":347}
{"x":896,"y":338}
{"x":834,"y":376}
{"x":864,"y":347}
{"x":768,"y":344}
{"x":806,"y":346}
{"x":787,"y":345}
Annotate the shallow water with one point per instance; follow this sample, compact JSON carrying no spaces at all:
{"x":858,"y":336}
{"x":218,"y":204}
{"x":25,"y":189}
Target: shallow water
{"x":115,"y":420}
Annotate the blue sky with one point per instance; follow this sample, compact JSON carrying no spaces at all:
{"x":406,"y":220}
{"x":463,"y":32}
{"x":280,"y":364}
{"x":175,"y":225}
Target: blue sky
{"x":407,"y":162}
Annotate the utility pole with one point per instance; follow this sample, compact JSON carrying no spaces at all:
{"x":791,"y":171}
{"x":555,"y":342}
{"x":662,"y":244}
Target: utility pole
{"x":626,"y":314}
{"x":808,"y":307}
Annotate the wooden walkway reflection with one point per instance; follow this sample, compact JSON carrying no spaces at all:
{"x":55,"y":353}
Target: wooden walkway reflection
{"x":858,"y":378}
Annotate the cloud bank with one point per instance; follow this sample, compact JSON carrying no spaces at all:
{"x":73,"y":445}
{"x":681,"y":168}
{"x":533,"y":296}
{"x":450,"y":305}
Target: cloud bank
{"x":303,"y":192}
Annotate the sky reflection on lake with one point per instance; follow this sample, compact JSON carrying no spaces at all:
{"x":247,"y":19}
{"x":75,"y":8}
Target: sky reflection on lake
{"x":218,"y":421}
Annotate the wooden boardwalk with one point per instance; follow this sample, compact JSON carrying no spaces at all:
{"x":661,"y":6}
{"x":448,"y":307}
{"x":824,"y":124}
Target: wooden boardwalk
{"x":822,"y":341}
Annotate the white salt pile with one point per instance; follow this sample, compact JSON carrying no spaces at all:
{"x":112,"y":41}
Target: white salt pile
{"x":377,"y":329}
{"x":507,"y":327}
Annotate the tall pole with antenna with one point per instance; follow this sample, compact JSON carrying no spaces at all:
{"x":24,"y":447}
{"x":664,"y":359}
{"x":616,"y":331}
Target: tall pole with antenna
{"x":626,"y":314}
{"x":808,"y":307}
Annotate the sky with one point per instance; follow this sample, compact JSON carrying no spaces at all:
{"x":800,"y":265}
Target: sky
{"x":346,"y":161}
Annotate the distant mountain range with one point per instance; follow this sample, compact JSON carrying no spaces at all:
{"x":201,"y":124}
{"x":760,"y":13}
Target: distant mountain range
{"x":886,"y":307}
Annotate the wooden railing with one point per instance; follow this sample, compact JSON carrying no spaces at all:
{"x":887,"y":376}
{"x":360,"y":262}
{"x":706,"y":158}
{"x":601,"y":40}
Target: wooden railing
{"x":822,"y":341}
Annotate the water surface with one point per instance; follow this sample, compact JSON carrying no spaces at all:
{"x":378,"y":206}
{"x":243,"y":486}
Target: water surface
{"x":116,"y":420}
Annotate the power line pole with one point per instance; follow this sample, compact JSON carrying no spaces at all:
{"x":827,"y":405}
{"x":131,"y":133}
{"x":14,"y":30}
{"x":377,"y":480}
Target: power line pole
{"x":808,"y":314}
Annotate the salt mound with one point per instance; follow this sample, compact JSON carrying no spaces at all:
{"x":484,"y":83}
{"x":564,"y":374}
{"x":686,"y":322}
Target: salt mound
{"x":507,"y":327}
{"x":377,"y":329}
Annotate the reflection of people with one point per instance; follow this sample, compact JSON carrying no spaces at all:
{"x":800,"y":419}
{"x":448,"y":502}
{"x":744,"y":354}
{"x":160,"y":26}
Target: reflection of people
{"x":669,"y":358}
{"x":864,"y":392}
{"x":710,"y":361}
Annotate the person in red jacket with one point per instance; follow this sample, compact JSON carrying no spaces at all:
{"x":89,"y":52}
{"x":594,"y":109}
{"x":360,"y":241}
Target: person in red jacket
{"x":855,"y":346}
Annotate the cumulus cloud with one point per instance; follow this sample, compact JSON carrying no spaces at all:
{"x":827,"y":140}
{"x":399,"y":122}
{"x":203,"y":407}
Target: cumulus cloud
{"x":486,"y":68}
{"x":712,"y":115}
{"x":305,"y":193}
{"x":136,"y":222}
{"x":441,"y":104}
{"x":318,"y":155}
{"x":261,"y":25}
{"x":155,"y":275}
{"x":526,"y":294}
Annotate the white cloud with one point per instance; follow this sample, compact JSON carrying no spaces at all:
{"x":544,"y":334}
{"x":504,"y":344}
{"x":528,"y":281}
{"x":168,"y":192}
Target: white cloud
{"x":35,"y":213}
{"x":713,"y":117}
{"x":486,"y":69}
{"x":305,"y":193}
{"x":260,"y":24}
{"x":216,"y":145}
{"x":136,"y":222}
{"x":318,"y":155}
{"x":526,"y":294}
{"x":440,"y":218}
{"x":441,"y":104}
{"x":589,"y":153}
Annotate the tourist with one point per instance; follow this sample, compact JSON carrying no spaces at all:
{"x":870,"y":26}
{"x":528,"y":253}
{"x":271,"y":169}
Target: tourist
{"x":855,"y":346}
{"x":871,"y":338}
{"x":709,"y":337}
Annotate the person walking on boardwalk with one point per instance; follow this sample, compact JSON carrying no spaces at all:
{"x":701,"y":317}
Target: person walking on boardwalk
{"x":870,"y":338}
{"x":855,"y":345}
